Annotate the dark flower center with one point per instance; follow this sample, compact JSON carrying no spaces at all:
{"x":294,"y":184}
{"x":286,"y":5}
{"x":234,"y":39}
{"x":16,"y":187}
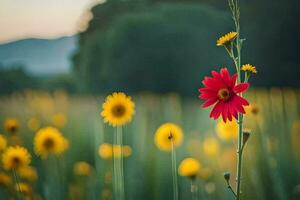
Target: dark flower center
{"x":255,"y":110}
{"x":171,"y":136}
{"x":118,"y":110}
{"x":16,"y":161}
{"x":13,"y":129}
{"x":49,"y":143}
{"x":223,"y":94}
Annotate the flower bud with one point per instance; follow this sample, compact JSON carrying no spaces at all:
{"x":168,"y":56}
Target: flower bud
{"x":246,"y":135}
{"x":227,"y":176}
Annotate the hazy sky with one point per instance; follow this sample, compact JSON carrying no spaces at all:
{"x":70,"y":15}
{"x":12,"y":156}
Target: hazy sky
{"x":21,"y":19}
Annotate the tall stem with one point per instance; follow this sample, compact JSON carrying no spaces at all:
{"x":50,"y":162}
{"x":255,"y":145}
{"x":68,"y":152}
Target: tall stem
{"x":115,"y":165}
{"x":121,"y":164}
{"x":240,"y":157}
{"x":233,"y":4}
{"x":194,"y":189}
{"x":19,"y":193}
{"x":120,"y":173}
{"x":174,"y":172}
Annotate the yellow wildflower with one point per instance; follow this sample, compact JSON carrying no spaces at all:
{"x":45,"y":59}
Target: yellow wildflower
{"x":82,"y":168}
{"x":225,"y":39}
{"x":249,"y":68}
{"x":105,"y":151}
{"x":24,"y":188}
{"x":11,"y":125}
{"x":15,"y":158}
{"x":28,"y":173}
{"x":49,"y":140}
{"x":189,"y":167}
{"x":127,"y":151}
{"x":227,"y":130}
{"x":252,"y":109}
{"x":118,"y":109}
{"x":168,"y":135}
{"x":5,"y":180}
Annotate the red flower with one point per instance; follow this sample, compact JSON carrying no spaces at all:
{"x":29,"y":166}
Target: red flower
{"x":221,"y":89}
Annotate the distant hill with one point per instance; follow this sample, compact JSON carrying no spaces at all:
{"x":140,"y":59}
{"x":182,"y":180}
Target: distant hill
{"x":40,"y":56}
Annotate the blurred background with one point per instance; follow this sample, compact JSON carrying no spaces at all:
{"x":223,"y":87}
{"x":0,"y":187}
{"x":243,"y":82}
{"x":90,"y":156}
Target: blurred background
{"x":60,"y":58}
{"x":97,"y":46}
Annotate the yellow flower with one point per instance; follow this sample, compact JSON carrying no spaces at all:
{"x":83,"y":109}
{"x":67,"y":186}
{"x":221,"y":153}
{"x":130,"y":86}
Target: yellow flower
{"x":189,"y":167}
{"x":11,"y":125}
{"x":167,"y":134}
{"x":28,"y":173}
{"x":5,"y":180}
{"x":3,"y":143}
{"x":105,"y":151}
{"x":24,"y":188}
{"x":118,"y":109}
{"x":82,"y":169}
{"x":33,"y":124}
{"x":127,"y":151}
{"x":15,"y":158}
{"x":49,"y":140}
{"x":211,"y":147}
{"x":252,"y":109}
{"x":59,"y":120}
{"x":227,"y":130}
{"x":249,"y":68}
{"x":225,"y":39}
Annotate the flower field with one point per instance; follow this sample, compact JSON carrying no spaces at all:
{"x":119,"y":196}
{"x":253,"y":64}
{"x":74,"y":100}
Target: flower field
{"x":81,"y":166}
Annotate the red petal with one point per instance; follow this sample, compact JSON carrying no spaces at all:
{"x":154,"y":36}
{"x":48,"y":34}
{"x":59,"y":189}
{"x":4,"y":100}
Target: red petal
{"x":209,"y":102}
{"x":207,"y":90}
{"x":233,"y":80}
{"x":235,"y":114}
{"x":212,"y":83}
{"x":216,"y":75}
{"x":230,"y":111}
{"x":242,"y":101}
{"x":216,"y":111}
{"x":241,"y":87}
{"x":225,"y":112}
{"x":225,"y":76}
{"x":206,"y":96}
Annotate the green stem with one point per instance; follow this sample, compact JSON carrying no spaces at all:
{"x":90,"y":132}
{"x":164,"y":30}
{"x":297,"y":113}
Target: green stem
{"x":233,"y":4}
{"x":230,"y":188}
{"x":19,"y":193}
{"x":240,"y":157}
{"x":194,"y":189}
{"x":120,"y":164}
{"x":174,"y":172}
{"x":115,"y":166}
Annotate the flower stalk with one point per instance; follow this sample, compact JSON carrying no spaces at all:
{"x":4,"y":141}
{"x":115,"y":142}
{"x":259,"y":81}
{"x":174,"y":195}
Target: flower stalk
{"x":194,"y":189}
{"x":174,"y":170}
{"x":118,"y":165}
{"x":233,"y":4}
{"x":19,"y":193}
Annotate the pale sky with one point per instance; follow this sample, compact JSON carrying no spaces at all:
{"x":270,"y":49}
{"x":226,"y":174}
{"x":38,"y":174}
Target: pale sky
{"x":21,"y":19}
